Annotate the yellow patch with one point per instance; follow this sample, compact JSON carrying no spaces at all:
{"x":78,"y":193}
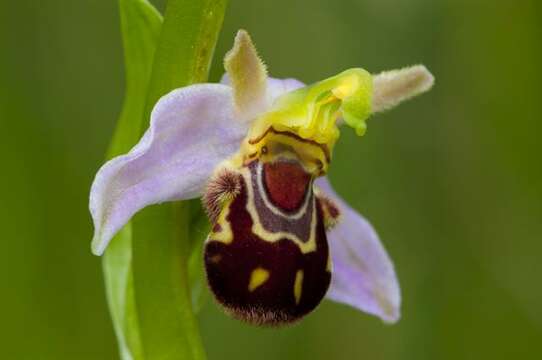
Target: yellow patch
{"x":225,"y":234}
{"x":329,"y":265}
{"x":298,"y":286}
{"x":312,"y":112}
{"x":257,"y":278}
{"x":280,"y":142}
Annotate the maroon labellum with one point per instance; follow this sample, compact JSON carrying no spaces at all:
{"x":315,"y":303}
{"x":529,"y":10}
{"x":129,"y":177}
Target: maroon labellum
{"x":267,"y":259}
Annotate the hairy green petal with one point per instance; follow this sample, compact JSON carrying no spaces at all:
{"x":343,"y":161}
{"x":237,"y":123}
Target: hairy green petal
{"x":248,"y":75}
{"x":312,"y":111}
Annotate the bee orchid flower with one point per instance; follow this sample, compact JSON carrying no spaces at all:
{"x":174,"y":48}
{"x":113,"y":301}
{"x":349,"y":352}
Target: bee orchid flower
{"x":257,"y":150}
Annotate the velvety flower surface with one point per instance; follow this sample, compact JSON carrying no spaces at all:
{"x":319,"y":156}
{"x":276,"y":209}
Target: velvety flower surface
{"x":257,"y":150}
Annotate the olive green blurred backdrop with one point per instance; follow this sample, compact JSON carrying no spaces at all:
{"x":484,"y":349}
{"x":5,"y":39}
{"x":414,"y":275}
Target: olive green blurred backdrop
{"x":452,"y":180}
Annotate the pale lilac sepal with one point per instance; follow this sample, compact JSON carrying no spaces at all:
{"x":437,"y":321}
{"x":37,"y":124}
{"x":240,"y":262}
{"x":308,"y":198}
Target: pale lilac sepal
{"x":363,"y":274}
{"x":275,"y":87}
{"x":192,"y":130}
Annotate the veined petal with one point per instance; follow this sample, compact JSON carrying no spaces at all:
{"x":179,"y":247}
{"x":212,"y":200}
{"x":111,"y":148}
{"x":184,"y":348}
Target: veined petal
{"x":192,"y":130}
{"x":363,"y":274}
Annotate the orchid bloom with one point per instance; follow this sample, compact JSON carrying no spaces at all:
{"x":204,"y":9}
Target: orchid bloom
{"x":257,"y":149}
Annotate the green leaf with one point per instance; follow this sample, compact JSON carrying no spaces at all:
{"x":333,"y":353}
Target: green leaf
{"x":141,"y":25}
{"x":161,"y":234}
{"x":199,"y":230}
{"x":117,"y":267}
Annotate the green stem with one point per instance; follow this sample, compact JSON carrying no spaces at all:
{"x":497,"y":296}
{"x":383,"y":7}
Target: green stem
{"x":186,"y":46}
{"x":141,"y":26}
{"x":168,"y":326}
{"x":167,"y":323}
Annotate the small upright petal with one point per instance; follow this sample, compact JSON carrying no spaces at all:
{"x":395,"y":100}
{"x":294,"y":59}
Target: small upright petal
{"x":248,"y":76}
{"x":192,"y":130}
{"x":393,"y":87}
{"x":363,"y":274}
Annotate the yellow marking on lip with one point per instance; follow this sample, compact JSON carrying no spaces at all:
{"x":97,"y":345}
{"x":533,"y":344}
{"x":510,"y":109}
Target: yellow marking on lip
{"x":298,"y":286}
{"x":257,"y":278}
{"x":329,"y":265}
{"x":224,"y":233}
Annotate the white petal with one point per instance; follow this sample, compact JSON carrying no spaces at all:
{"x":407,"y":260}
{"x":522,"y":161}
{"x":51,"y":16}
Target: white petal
{"x":192,"y":130}
{"x":363,"y":274}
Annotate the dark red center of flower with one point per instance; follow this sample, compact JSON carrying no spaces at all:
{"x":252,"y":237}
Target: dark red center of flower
{"x":286,"y":183}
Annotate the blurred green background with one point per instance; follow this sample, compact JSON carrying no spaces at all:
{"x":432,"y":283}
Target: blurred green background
{"x":452,"y":181}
